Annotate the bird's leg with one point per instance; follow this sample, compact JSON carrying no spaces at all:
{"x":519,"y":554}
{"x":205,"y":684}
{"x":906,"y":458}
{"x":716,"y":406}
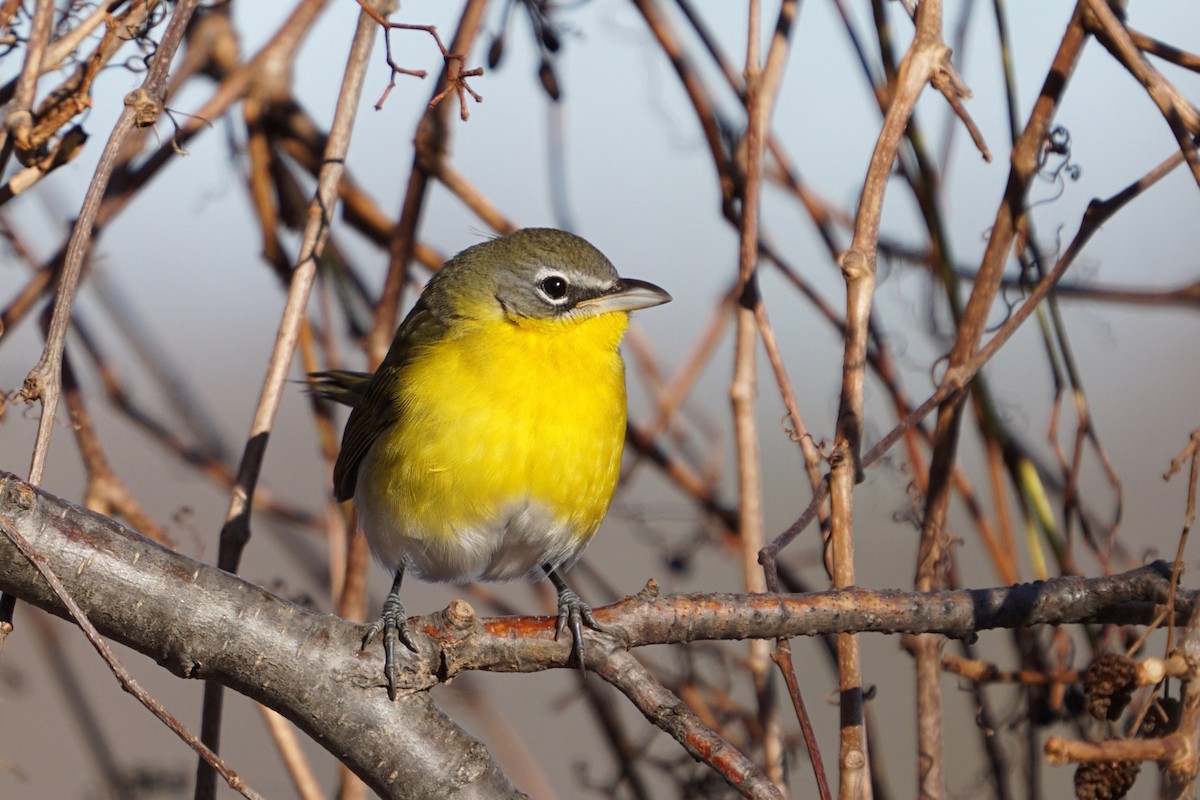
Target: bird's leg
{"x":394,"y":625}
{"x":571,"y":611}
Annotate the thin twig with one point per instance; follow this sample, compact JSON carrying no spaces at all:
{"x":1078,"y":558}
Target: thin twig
{"x":1181,"y":773}
{"x":106,"y":493}
{"x":1167,"y":52}
{"x":1191,"y":451}
{"x":665,"y":710}
{"x":454,"y":73}
{"x":430,"y":143}
{"x":783,"y":659}
{"x":742,"y":389}
{"x":288,"y":744}
{"x":925,"y":58}
{"x":1181,"y":116}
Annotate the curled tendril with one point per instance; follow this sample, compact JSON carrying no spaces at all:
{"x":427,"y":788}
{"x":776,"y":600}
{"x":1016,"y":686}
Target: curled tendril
{"x":136,"y":64}
{"x":1055,"y":165}
{"x":1058,"y":144}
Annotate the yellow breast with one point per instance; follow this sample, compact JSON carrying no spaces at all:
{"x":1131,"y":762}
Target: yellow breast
{"x":504,"y":424}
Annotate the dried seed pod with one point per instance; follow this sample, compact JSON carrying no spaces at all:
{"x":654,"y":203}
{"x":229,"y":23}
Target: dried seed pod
{"x":1105,"y":780}
{"x":1108,"y":684}
{"x":1161,"y":719}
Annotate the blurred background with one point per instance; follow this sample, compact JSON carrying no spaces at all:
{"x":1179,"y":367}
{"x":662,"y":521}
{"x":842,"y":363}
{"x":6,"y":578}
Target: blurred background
{"x":182,"y":308}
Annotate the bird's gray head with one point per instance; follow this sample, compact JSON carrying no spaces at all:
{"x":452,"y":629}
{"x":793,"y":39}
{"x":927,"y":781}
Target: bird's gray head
{"x":536,"y":274}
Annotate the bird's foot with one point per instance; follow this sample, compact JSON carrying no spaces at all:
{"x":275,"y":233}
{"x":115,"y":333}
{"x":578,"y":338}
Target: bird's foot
{"x":394,"y":625}
{"x":574,"y":612}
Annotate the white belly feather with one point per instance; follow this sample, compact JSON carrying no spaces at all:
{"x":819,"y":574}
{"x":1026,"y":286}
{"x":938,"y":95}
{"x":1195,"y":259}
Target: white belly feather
{"x":514,"y":544}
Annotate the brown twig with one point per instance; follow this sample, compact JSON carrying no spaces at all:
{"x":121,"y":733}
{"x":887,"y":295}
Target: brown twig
{"x":1061,"y":751}
{"x":1167,"y":52}
{"x":1191,"y":451}
{"x":284,"y":735}
{"x":700,"y":98}
{"x":527,"y":644}
{"x":72,"y":97}
{"x":1180,"y":774}
{"x":430,"y":142}
{"x":1085,"y":433}
{"x":924,"y":59}
{"x":1182,"y":117}
{"x":206,"y":456}
{"x":262,"y":69}
{"x":705,"y":492}
{"x":105,"y":493}
{"x":64,"y":152}
{"x":454,"y":72}
{"x":985,"y":672}
{"x":666,"y":711}
{"x":64,"y":47}
{"x":783,"y":659}
{"x":235,"y":533}
{"x":742,"y":389}
{"x":675,"y":390}
{"x":201,"y":457}
{"x":1025,"y":153}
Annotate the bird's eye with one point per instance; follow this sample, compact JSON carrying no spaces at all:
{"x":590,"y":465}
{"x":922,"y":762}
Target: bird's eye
{"x":554,"y":287}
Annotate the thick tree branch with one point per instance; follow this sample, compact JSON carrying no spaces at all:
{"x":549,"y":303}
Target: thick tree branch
{"x":200,"y":622}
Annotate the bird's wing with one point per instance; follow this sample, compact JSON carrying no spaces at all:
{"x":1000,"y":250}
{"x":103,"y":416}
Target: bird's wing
{"x":380,"y":406}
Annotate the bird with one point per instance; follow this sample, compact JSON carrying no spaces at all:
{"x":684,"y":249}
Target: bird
{"x":487,"y":445}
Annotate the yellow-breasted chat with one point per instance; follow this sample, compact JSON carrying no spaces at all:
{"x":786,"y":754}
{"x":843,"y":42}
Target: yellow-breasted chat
{"x":488,"y":443}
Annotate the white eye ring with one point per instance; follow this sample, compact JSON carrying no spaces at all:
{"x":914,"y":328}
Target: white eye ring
{"x":554,"y":287}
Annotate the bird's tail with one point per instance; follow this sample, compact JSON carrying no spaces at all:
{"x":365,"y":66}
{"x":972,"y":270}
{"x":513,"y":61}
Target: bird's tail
{"x":339,"y":385}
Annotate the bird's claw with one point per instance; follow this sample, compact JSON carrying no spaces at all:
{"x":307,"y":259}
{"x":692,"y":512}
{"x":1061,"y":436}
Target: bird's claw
{"x":574,"y":612}
{"x":394,"y":625}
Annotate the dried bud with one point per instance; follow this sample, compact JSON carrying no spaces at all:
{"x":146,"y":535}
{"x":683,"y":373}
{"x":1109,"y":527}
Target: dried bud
{"x":549,"y":80}
{"x":495,"y":52}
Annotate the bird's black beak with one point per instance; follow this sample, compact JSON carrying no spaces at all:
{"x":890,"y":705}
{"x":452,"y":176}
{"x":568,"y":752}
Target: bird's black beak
{"x":628,"y":294}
